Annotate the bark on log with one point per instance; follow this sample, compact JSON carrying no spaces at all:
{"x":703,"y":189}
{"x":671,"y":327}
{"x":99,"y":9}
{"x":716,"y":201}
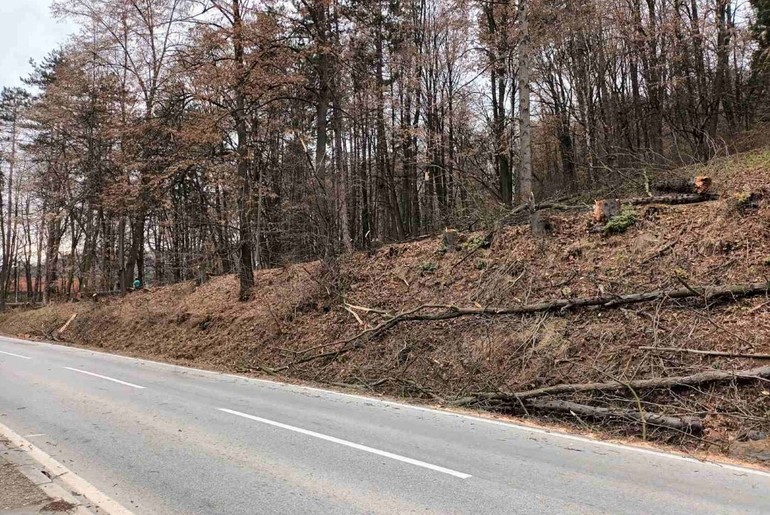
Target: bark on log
{"x":701,"y":184}
{"x":605,"y":301}
{"x":685,"y":198}
{"x":687,"y":424}
{"x":710,"y":376}
{"x":518,"y":215}
{"x":556,"y":206}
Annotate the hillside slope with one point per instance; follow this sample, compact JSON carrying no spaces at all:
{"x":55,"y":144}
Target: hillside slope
{"x":308,"y":309}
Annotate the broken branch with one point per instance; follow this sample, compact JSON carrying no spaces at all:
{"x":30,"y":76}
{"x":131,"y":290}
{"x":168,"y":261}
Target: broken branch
{"x":604,"y":301}
{"x":707,"y":352}
{"x":710,"y":376}
{"x":686,"y":424}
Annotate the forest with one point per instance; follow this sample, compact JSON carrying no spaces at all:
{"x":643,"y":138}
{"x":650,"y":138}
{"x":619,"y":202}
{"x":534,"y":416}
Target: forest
{"x":171,"y":140}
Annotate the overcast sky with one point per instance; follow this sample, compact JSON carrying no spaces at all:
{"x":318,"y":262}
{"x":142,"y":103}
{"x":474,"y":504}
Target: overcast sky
{"x":27,"y":31}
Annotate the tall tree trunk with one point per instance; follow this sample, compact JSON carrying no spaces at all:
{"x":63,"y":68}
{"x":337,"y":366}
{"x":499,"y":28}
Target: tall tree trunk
{"x":246,"y":262}
{"x":524,"y":191}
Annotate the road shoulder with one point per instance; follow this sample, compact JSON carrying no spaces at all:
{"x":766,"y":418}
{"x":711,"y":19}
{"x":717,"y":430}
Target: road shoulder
{"x":27,"y":487}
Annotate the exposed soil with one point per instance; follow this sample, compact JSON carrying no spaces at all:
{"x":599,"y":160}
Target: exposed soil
{"x":300,"y":310}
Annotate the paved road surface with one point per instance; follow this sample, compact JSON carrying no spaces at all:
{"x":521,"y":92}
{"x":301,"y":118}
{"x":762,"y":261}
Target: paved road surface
{"x":164,"y":439}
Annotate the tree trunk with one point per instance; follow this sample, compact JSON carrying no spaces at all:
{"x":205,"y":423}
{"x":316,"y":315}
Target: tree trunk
{"x":524,"y":191}
{"x":246,"y":268}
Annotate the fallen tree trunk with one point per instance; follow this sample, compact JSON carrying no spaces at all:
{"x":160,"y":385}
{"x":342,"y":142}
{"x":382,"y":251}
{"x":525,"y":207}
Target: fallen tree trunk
{"x":686,"y":424}
{"x":672,"y":199}
{"x":700,"y":185}
{"x":714,"y":353}
{"x":685,"y":198}
{"x":63,"y":328}
{"x":605,"y":301}
{"x":556,"y":205}
{"x":710,"y":376}
{"x":23,"y":305}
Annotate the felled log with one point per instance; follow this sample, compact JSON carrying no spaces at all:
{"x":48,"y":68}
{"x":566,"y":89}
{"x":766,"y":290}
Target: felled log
{"x":555,"y":206}
{"x":60,"y":331}
{"x":23,"y":305}
{"x":709,"y":376}
{"x":604,"y":301}
{"x":684,"y":198}
{"x":687,"y":424}
{"x":698,"y":185}
{"x":605,"y":209}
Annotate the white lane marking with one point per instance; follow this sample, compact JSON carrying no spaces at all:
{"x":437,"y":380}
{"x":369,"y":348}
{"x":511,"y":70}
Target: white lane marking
{"x":15,"y":355}
{"x":132,"y":385}
{"x":340,"y":441}
{"x":36,"y":434}
{"x":436,"y":411}
{"x":64,"y":475}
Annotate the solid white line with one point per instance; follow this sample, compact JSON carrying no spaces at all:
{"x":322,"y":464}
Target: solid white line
{"x":360,"y":447}
{"x":436,"y":411}
{"x":74,"y":483}
{"x":132,"y":385}
{"x":15,"y":355}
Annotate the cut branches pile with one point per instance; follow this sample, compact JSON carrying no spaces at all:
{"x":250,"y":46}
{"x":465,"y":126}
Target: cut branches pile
{"x":532,"y":399}
{"x":543,"y":399}
{"x":436,"y":313}
{"x":706,"y":377}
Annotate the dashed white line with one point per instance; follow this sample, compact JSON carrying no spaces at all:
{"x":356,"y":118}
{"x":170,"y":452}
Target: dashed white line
{"x":14,"y":355}
{"x":132,"y":385}
{"x":291,"y":388}
{"x":340,"y":441}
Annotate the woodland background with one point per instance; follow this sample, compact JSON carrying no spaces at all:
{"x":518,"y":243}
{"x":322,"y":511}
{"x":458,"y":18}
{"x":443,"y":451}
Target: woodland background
{"x":172,"y":140}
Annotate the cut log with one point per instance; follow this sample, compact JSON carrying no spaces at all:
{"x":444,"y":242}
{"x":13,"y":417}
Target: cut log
{"x":687,"y":424}
{"x":685,"y":198}
{"x":63,"y":328}
{"x":709,"y":376}
{"x":518,"y":215}
{"x":699,"y":185}
{"x":606,"y":209}
{"x":702,"y":184}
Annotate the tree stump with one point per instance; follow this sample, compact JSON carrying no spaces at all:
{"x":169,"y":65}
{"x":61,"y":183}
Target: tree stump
{"x":450,"y":240}
{"x":540,"y":224}
{"x":606,"y":209}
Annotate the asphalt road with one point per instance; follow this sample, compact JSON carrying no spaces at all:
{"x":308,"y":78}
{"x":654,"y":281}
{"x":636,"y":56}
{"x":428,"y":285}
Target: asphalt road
{"x":164,"y":439}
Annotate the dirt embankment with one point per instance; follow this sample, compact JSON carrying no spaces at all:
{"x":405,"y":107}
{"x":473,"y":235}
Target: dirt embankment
{"x":311,"y":310}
